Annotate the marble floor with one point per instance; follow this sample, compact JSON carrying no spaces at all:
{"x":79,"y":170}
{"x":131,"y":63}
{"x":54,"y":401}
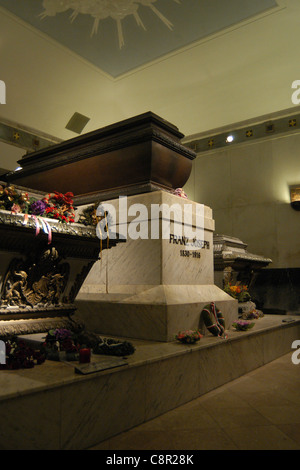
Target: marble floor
{"x":258,"y":411}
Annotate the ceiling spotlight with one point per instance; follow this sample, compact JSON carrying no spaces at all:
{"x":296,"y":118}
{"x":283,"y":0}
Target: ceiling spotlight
{"x":18,"y":168}
{"x":230,"y":139}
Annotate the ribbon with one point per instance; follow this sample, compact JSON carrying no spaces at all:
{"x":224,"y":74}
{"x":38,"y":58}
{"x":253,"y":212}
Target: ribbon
{"x":45,"y":226}
{"x":222,"y":333}
{"x":47,"y":229}
{"x":106,"y":226}
{"x":37,"y":225}
{"x":25,"y":219}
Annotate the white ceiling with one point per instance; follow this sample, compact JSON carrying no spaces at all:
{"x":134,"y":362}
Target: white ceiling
{"x":164,"y":26}
{"x":225,"y":76}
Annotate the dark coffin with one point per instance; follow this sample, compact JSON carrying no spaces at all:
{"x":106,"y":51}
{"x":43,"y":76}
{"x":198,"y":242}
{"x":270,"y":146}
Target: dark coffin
{"x":137,"y":155}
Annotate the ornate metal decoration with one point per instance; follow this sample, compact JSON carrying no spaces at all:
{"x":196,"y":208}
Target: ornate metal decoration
{"x":39,"y":281}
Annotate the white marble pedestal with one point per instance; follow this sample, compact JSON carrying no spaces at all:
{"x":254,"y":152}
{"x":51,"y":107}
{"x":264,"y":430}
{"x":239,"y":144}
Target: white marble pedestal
{"x":150,"y":288}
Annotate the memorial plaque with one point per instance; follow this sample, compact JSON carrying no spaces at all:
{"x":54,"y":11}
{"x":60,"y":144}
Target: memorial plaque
{"x":92,"y":367}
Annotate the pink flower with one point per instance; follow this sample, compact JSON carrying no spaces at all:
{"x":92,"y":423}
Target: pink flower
{"x":16,"y":209}
{"x":179,"y":192}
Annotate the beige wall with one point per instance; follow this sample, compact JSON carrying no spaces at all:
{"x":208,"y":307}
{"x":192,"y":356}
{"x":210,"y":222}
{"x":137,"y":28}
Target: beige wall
{"x":247,"y":186}
{"x":242,"y":73}
{"x":9,"y":156}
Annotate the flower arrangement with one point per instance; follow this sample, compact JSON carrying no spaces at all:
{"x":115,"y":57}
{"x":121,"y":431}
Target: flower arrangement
{"x":188,"y":336}
{"x":60,"y":344}
{"x":38,"y":208}
{"x":61,"y":339}
{"x":252,"y":315}
{"x":71,"y":342}
{"x":88,"y":215}
{"x":179,"y":192}
{"x":238,"y":292}
{"x":20,"y":356}
{"x":243,"y":325}
{"x":54,"y":205}
{"x":59,"y":206}
{"x":12,"y":200}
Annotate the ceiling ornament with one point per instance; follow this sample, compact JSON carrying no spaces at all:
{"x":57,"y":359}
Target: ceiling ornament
{"x":102,"y":9}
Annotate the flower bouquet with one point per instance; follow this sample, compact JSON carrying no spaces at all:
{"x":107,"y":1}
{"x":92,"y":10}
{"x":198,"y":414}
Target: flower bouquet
{"x":59,"y":206}
{"x":238,"y":292}
{"x":179,"y":192}
{"x":243,"y":325}
{"x":253,"y":315}
{"x":64,"y":344}
{"x":20,"y":356}
{"x":188,"y":336}
{"x":14,"y":201}
{"x":54,"y":205}
{"x":89,"y":215}
{"x":60,"y":344}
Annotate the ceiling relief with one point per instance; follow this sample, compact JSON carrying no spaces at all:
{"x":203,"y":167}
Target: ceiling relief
{"x":102,"y":9}
{"x":119,"y":36}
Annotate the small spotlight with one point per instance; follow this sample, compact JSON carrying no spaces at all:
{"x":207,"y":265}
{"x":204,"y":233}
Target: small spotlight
{"x":18,"y":168}
{"x":230,"y":139}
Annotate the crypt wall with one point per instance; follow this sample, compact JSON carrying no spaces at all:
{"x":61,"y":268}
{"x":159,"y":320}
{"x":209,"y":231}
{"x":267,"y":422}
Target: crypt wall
{"x":238,"y":74}
{"x":247,"y":186}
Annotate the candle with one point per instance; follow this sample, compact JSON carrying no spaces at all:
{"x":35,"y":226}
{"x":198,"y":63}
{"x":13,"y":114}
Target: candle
{"x":84,"y":355}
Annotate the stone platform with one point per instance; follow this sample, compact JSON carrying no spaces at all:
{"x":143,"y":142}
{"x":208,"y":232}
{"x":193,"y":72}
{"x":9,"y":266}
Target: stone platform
{"x":51,"y":407}
{"x":159,"y":281}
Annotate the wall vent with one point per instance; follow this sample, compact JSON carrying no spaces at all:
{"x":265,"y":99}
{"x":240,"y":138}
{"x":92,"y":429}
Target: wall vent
{"x":77,"y":123}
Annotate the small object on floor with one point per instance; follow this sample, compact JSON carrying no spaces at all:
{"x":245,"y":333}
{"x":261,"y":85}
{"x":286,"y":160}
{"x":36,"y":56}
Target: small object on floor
{"x":288,"y":320}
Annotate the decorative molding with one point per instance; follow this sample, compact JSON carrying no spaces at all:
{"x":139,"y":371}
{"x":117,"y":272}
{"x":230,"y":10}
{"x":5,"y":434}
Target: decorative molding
{"x":32,"y":326}
{"x":17,"y":220}
{"x":246,"y":132}
{"x":25,"y":138}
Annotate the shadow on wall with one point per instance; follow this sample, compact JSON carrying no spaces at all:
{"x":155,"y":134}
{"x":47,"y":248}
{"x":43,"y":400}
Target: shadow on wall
{"x":3,"y":171}
{"x":277,"y":290}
